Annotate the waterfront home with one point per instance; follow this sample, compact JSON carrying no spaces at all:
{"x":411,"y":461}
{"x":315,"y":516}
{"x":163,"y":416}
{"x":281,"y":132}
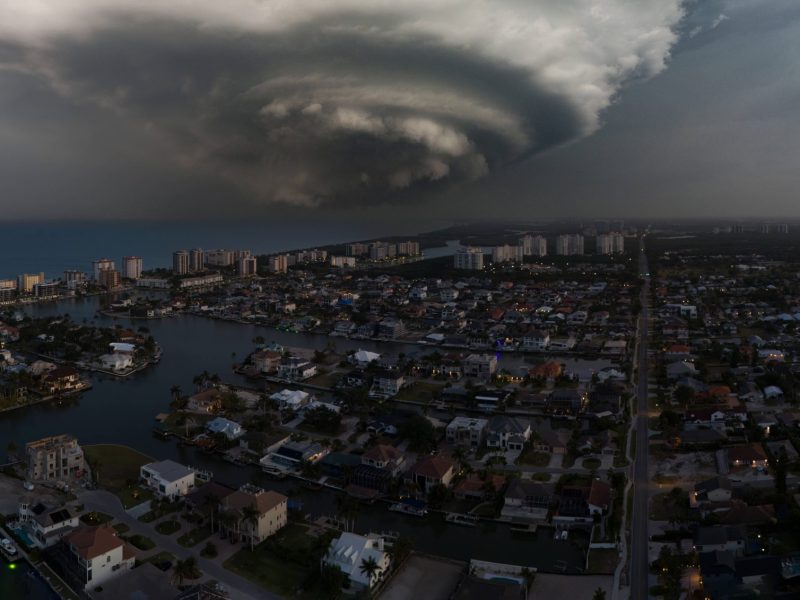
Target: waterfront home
{"x":61,"y":380}
{"x":480,"y":366}
{"x":291,"y":399}
{"x":257,"y":513}
{"x":430,"y":471}
{"x":474,"y":488}
{"x":507,"y":433}
{"x":527,"y":499}
{"x":97,"y":555}
{"x":230,"y":429}
{"x":536,"y":340}
{"x":383,"y":456}
{"x":40,"y":367}
{"x":350,"y":551}
{"x":292,"y":455}
{"x":116,"y":361}
{"x":362,"y":358}
{"x":55,"y":457}
{"x":266,"y":361}
{"x":167,"y":478}
{"x":295,"y":368}
{"x":206,"y":402}
{"x":386,"y":384}
{"x":466,"y":431}
{"x":47,"y":525}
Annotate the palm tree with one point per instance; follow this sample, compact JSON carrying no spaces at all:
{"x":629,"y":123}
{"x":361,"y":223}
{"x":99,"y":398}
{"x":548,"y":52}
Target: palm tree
{"x":369,"y":566}
{"x":599,"y":594}
{"x":175,"y":392}
{"x":227,"y":522}
{"x":213,"y":503}
{"x":185,"y":569}
{"x":250,"y":515}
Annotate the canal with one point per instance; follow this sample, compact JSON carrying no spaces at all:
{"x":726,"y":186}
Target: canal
{"x":122,"y":411}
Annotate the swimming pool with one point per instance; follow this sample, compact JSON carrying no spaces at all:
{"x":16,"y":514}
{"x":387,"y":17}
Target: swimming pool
{"x":23,"y":535}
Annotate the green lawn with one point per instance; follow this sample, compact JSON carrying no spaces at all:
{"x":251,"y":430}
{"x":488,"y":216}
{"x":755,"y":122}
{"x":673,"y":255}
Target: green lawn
{"x":267,"y":570}
{"x":161,"y":557}
{"x":168,"y":527}
{"x":603,"y":560}
{"x":117,"y":470}
{"x":121,"y":528}
{"x":534,"y":459}
{"x":591,"y":463}
{"x":142,"y":542}
{"x":96,"y":518}
{"x":194,"y":536}
{"x":541,"y":476}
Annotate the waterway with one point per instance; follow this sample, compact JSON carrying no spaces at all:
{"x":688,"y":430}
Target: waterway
{"x":122,"y":411}
{"x":20,"y":580}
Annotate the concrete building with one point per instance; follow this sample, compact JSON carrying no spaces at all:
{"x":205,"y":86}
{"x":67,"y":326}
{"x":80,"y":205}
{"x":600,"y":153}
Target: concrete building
{"x":180,"y":262}
{"x":356,"y":249}
{"x":247,"y":267}
{"x":219,"y":258}
{"x":470,"y":259}
{"x":408,"y":248}
{"x":46,"y":289}
{"x":610,"y":243}
{"x":482,"y":366}
{"x":506,"y":253}
{"x":54,"y":458}
{"x":196,"y":260}
{"x":110,"y":279}
{"x":131,"y":267}
{"x":26,"y":281}
{"x":74,"y":279}
{"x":569,"y":244}
{"x":533,"y":245}
{"x":278,"y":263}
{"x":101,"y":264}
{"x":343,"y":261}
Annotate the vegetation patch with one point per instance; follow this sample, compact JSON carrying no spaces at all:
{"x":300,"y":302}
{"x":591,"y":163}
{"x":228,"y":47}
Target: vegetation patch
{"x":116,"y":469}
{"x":168,"y":527}
{"x":194,"y":536}
{"x":141,"y":542}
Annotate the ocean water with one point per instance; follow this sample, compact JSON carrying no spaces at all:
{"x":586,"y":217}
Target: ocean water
{"x":52,"y":247}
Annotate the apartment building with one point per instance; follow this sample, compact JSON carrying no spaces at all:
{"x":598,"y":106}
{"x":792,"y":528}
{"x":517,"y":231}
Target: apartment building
{"x":131,"y":267}
{"x":470,"y":259}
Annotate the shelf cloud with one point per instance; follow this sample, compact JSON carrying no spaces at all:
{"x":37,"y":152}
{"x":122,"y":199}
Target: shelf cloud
{"x":312,"y":102}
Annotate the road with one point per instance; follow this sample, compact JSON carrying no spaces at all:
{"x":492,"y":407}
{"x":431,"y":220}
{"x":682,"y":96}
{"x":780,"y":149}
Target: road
{"x":238,"y":587}
{"x":639,"y":569}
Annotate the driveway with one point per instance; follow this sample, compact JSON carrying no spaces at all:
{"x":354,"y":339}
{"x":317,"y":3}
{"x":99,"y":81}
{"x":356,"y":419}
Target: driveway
{"x":239,"y":587}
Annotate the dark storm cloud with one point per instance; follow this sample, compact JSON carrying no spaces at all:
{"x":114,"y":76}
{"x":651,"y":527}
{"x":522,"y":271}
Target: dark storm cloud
{"x":307,"y":106}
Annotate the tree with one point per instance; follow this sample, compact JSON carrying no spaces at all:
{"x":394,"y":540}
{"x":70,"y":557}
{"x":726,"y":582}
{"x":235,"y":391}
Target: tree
{"x":185,"y":569}
{"x":250,"y":515}
{"x":779,"y":469}
{"x":212,"y":502}
{"x":420,"y":433}
{"x":599,"y":594}
{"x":438,"y":495}
{"x":401,"y":548}
{"x":369,"y":567}
{"x":333,"y":580}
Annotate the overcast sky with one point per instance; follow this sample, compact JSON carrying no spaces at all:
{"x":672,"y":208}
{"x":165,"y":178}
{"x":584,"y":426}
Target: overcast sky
{"x":379,"y":109}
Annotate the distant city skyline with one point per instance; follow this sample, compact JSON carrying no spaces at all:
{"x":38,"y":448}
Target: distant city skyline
{"x":650,"y":109}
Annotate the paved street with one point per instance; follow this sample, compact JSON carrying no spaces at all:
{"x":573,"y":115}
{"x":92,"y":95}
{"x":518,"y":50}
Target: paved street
{"x":639,"y":568}
{"x":239,"y":587}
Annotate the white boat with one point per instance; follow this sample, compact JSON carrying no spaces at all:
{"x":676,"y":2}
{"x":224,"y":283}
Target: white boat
{"x":408,"y":509}
{"x":461,"y":519}
{"x":8,"y":546}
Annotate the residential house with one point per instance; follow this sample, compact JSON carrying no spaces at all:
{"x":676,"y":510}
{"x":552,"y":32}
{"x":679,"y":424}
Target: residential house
{"x":430,"y":471}
{"x":205,"y":402}
{"x":291,"y":399}
{"x":47,"y":525}
{"x":269,"y":513}
{"x":350,"y":551}
{"x":480,"y":366}
{"x":716,"y":489}
{"x":98,"y":555}
{"x":536,"y":340}
{"x":720,"y":538}
{"x":293,"y":454}
{"x":599,"y":499}
{"x":383,"y":456}
{"x":61,"y":380}
{"x":167,"y":478}
{"x":466,"y":431}
{"x":527,"y":499}
{"x":295,"y":368}
{"x":750,"y":455}
{"x":230,"y":429}
{"x":507,"y":433}
{"x":473,"y":487}
{"x":387,"y":383}
{"x":266,"y":361}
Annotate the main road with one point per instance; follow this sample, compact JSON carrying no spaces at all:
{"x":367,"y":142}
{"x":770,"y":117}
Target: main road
{"x":639,"y":563}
